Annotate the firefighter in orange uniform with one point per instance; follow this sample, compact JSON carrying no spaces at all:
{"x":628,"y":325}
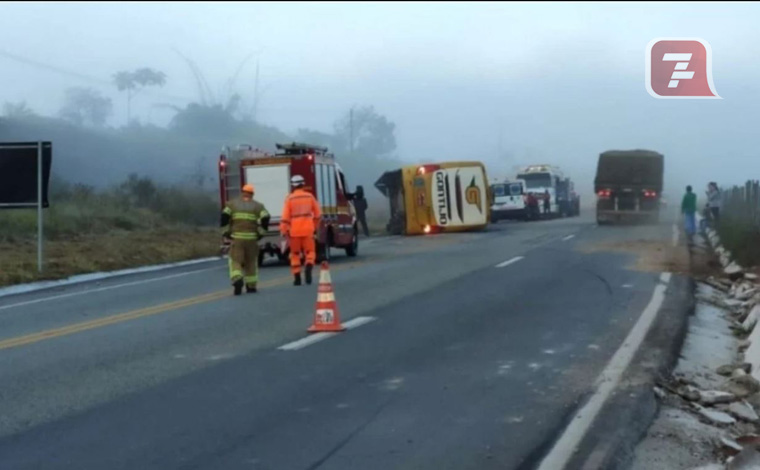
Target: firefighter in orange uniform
{"x":300,"y":220}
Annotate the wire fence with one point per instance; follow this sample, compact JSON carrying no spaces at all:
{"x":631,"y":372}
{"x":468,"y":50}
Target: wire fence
{"x":742,"y":203}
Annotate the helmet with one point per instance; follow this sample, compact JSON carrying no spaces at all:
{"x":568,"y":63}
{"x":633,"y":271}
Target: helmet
{"x":297,"y":180}
{"x":248,"y":188}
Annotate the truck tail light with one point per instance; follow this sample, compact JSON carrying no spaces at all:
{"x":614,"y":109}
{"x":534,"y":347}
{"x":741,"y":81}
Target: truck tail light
{"x":427,"y":229}
{"x":649,"y":193}
{"x":604,"y":193}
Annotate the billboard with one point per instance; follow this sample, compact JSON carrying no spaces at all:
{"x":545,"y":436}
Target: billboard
{"x":459,"y":196}
{"x":19,"y":173}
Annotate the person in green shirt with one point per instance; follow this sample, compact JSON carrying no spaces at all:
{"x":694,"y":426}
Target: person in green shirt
{"x":689,"y":210}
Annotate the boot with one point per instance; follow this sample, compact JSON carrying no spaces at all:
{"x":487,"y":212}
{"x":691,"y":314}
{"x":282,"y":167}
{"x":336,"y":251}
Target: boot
{"x":250,"y":289}
{"x":238,"y":286}
{"x":309,"y":267}
{"x":297,"y":279}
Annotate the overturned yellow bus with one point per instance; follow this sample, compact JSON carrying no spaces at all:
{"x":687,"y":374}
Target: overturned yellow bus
{"x":435,"y":198}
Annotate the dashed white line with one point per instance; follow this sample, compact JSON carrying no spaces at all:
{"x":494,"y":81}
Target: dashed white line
{"x":317,"y":337}
{"x":509,"y":261}
{"x":564,"y":448}
{"x":569,"y":237}
{"x":675,"y":235}
{"x":101,"y":289}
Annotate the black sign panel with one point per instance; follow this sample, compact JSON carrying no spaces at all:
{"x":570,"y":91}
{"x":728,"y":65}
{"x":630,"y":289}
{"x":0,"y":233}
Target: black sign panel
{"x":18,"y":172}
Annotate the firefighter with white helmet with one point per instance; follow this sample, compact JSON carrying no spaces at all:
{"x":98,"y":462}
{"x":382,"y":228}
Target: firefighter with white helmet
{"x":244,"y":222}
{"x":299,"y":222}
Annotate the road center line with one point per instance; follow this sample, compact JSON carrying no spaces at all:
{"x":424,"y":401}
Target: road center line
{"x":101,"y":289}
{"x":569,"y":237}
{"x":317,"y":337}
{"x":564,"y":448}
{"x":140,"y":313}
{"x":509,"y":261}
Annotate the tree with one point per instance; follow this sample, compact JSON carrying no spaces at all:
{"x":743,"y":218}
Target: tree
{"x":18,"y":110}
{"x":85,"y":106}
{"x":134,"y":82}
{"x":365,"y":132}
{"x":207,"y":121}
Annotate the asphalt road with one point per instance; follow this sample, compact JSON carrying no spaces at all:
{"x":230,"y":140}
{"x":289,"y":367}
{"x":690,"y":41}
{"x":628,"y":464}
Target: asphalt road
{"x":467,"y":351}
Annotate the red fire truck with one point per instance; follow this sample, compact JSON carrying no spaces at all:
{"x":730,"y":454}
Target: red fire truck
{"x":270,"y":175}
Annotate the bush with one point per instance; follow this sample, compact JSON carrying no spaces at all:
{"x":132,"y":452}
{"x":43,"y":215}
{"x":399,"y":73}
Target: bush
{"x":136,"y":204}
{"x":742,"y":239}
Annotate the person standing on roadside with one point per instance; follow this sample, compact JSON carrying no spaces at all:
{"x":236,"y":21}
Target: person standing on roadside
{"x":689,"y":210}
{"x":713,"y":201}
{"x":360,"y":204}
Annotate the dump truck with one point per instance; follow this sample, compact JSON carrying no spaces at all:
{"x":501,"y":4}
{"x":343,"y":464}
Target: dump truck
{"x":629,"y":186}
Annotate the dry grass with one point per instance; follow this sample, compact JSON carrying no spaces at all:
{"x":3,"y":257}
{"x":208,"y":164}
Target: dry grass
{"x":107,"y":252}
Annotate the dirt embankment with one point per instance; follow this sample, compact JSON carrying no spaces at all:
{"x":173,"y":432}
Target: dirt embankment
{"x":661,"y":256}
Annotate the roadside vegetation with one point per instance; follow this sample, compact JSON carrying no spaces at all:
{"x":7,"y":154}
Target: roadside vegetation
{"x":136,"y":194}
{"x":739,"y":226}
{"x":134,"y":223}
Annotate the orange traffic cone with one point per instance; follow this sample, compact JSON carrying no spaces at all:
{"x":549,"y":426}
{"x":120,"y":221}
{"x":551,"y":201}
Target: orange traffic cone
{"x":326,"y":317}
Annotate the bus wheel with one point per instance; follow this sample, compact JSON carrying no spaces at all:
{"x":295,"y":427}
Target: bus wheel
{"x":353,"y":249}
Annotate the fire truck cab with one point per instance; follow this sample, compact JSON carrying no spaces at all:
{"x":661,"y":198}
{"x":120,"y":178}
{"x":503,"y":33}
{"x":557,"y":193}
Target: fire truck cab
{"x":270,"y":175}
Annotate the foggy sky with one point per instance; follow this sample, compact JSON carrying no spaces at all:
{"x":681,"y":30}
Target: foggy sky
{"x":545,"y":83}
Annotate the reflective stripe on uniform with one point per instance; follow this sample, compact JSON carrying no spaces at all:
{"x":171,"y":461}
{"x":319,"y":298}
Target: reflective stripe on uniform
{"x":244,"y":216}
{"x":244,"y":236}
{"x":227,"y":210}
{"x":251,"y":279}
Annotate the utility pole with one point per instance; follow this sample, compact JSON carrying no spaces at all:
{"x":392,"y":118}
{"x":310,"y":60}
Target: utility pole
{"x":351,"y":130}
{"x":256,"y":92}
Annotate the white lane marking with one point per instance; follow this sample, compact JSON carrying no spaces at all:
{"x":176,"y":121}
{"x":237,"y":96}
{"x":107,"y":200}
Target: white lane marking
{"x":307,"y":341}
{"x":358,"y":321}
{"x":627,"y":286}
{"x":569,"y":237}
{"x":665,"y":277}
{"x":101,"y":289}
{"x":317,"y":337}
{"x":510,"y":261}
{"x":675,"y":235}
{"x":605,"y":384}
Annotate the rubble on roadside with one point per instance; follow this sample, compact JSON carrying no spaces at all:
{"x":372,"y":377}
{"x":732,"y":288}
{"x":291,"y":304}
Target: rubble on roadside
{"x":709,"y":407}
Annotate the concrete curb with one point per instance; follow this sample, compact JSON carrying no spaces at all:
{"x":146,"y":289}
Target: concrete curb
{"x":748,"y":303}
{"x":82,"y":278}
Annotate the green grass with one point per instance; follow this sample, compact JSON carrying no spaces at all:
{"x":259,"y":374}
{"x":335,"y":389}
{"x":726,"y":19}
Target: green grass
{"x":133,"y":224}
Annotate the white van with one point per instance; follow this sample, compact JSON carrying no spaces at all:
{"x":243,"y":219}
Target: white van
{"x":508,"y":201}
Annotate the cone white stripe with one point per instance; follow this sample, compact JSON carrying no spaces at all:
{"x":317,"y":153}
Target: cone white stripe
{"x":328,"y":297}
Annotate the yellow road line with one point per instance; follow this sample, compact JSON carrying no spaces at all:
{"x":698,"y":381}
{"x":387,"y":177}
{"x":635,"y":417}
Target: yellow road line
{"x":140,"y":313}
{"x":163,"y":308}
